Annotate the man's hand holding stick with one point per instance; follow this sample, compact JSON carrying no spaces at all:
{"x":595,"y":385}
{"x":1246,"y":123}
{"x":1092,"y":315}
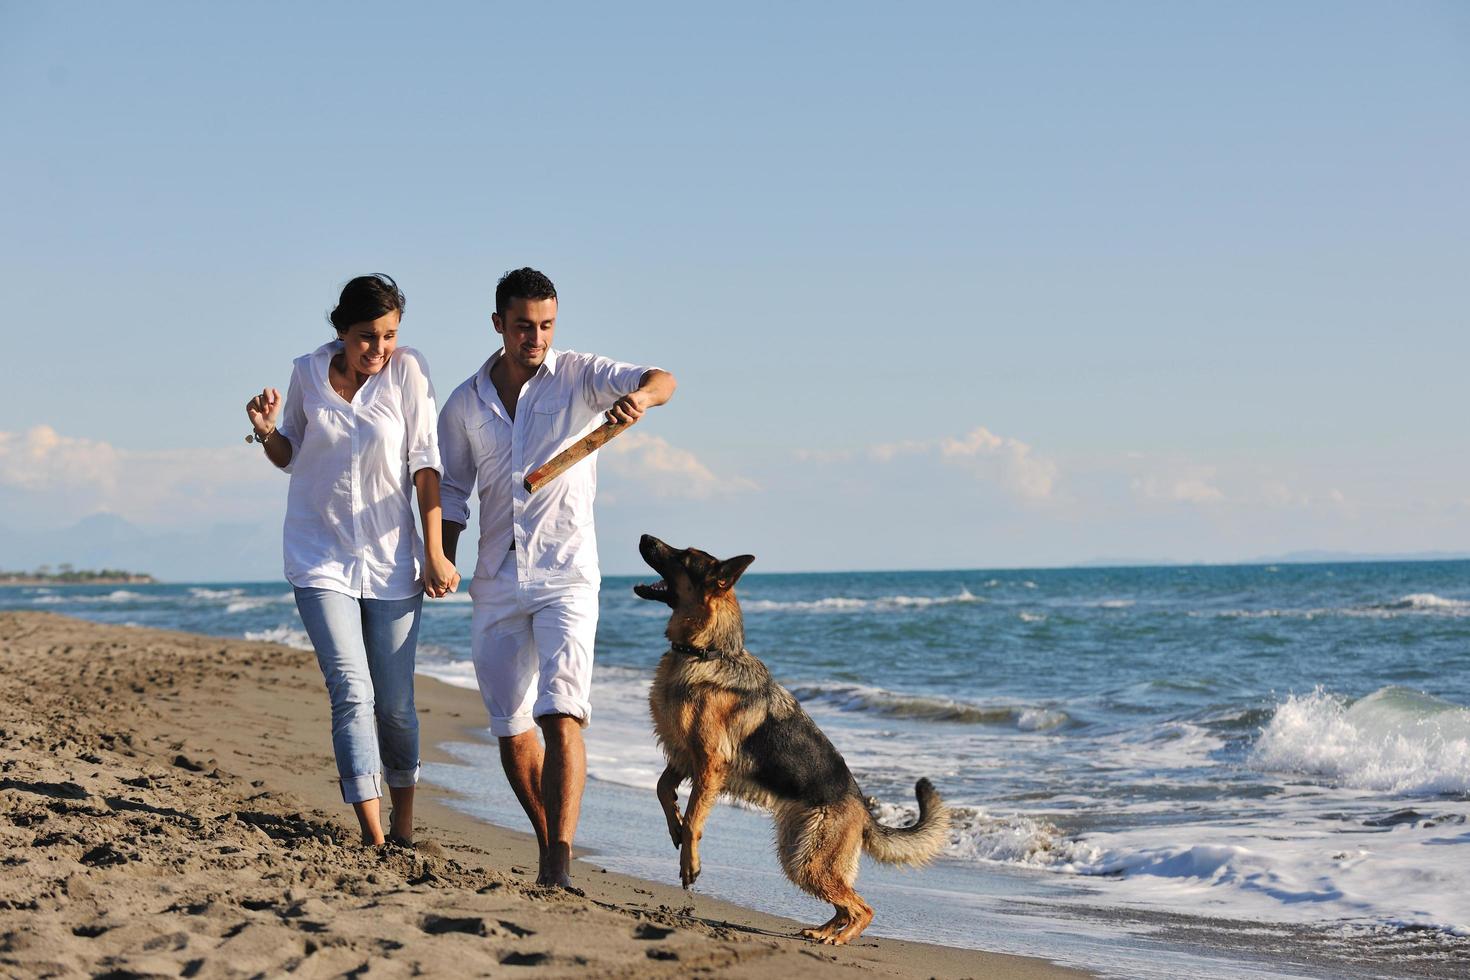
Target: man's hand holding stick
{"x":624,"y":413}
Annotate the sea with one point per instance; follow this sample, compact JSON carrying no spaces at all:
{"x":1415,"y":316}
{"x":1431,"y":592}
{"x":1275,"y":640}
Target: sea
{"x":1256,"y":770}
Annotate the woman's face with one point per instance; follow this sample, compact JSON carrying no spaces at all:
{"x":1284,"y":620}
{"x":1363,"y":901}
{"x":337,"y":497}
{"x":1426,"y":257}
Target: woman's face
{"x":368,"y":345}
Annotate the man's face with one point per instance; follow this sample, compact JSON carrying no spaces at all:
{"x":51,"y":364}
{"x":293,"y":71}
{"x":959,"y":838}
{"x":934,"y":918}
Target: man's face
{"x":527,"y":327}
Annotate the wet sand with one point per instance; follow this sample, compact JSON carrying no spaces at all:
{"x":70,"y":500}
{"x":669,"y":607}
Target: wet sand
{"x":168,"y":808}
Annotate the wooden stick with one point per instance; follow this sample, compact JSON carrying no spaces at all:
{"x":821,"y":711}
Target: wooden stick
{"x":573,"y":454}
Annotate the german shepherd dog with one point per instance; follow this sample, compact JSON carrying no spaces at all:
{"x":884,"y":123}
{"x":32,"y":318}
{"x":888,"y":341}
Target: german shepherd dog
{"x":727,"y":726}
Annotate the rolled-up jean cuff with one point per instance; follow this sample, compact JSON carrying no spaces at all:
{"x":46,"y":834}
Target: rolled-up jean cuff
{"x":360,"y":789}
{"x":510,"y":727}
{"x":401,"y":778}
{"x":561,"y":704}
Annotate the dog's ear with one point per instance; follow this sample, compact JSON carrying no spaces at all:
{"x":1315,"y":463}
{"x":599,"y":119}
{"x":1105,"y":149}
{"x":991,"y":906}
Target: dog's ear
{"x":730,"y":570}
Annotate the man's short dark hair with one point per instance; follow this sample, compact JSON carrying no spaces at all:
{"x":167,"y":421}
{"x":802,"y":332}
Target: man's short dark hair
{"x":524,"y":283}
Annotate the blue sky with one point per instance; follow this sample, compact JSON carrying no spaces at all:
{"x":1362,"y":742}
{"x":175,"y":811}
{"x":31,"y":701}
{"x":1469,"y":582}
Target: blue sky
{"x":944,"y":286}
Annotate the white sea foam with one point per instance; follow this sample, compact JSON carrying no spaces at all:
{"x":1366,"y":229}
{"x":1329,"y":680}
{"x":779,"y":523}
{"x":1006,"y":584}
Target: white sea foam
{"x":1280,"y":869}
{"x":284,"y":635}
{"x":1032,"y":617}
{"x":456,"y":673}
{"x":976,"y":834}
{"x":1285,"y":870}
{"x":1395,"y":739}
{"x":453,"y":598}
{"x":838,"y":604}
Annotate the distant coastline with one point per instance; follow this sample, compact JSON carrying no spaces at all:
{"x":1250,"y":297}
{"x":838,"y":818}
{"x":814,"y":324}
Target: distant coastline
{"x":77,"y":576}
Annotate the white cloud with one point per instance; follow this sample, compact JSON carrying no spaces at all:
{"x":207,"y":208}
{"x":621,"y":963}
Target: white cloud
{"x":989,"y":457}
{"x":663,"y":470}
{"x":1025,"y":473}
{"x":64,"y":478}
{"x":1195,"y":488}
{"x":887,"y":452}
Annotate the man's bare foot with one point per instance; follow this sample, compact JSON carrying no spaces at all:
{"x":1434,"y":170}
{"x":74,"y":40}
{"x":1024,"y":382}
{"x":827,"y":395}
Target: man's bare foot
{"x":554,"y":868}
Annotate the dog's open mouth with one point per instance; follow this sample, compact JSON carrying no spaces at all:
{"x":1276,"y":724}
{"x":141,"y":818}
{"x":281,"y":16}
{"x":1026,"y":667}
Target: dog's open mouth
{"x":657,"y":591}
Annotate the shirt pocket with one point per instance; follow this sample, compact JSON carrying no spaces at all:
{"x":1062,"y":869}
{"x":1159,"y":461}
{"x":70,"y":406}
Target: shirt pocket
{"x":490,"y":436}
{"x":553,"y":421}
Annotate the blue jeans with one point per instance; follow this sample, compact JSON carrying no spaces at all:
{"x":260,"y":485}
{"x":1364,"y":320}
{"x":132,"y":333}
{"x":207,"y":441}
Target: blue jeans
{"x":365,"y":648}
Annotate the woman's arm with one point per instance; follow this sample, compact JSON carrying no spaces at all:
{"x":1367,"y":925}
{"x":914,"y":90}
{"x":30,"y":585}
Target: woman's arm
{"x":262,"y":411}
{"x":440,"y":575}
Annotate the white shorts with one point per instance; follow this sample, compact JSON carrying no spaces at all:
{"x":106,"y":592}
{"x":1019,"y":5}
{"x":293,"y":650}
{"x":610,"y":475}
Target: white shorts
{"x":533,"y":650}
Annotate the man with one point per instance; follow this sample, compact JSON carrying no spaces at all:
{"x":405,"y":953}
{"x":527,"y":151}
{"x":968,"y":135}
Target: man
{"x":535,"y":584}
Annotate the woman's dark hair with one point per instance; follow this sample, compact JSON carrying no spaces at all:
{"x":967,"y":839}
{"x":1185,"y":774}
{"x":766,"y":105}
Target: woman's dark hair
{"x":367,"y":298}
{"x":524,"y":283}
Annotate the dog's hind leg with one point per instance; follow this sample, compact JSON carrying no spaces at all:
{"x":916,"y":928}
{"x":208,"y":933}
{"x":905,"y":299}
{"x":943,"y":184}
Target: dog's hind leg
{"x":668,"y":798}
{"x":819,"y":851}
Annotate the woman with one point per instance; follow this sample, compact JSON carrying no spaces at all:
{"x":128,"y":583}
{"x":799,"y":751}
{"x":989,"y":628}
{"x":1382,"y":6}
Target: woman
{"x":359,"y":428}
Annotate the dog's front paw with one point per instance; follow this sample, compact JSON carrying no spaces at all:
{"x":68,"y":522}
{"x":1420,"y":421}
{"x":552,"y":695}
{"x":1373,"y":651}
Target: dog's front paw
{"x":688,"y":865}
{"x":676,"y":830}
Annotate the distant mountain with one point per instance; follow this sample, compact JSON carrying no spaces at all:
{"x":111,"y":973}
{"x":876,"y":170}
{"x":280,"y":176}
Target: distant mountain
{"x":1289,"y":558}
{"x":1127,"y":563}
{"x":1332,"y":557}
{"x":220,"y":553}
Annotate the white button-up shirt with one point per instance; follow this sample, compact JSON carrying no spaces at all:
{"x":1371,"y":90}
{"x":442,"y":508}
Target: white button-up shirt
{"x":349,"y":513}
{"x":552,"y":528}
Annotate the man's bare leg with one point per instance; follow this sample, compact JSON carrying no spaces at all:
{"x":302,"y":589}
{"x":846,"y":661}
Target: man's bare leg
{"x":521,"y":758}
{"x":562,"y":779}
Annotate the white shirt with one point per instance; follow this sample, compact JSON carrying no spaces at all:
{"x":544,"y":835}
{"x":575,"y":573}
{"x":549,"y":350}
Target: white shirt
{"x":349,"y":513}
{"x":551,"y":528}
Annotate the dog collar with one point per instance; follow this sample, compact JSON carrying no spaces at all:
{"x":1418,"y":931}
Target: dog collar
{"x":703,"y":653}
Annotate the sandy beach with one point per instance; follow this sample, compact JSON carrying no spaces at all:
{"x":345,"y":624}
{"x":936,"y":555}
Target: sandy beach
{"x":167,"y":808}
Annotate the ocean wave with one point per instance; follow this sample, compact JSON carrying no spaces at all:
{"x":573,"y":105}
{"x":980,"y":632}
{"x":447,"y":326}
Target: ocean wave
{"x":284,"y":635}
{"x":1394,"y":740}
{"x":1421,"y":603}
{"x":1428,"y":601}
{"x":838,"y":604}
{"x":876,"y":700}
{"x":247,"y":605}
{"x":202,"y":593}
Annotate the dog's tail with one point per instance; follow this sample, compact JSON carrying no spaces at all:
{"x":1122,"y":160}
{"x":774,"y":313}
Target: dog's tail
{"x":916,"y":844}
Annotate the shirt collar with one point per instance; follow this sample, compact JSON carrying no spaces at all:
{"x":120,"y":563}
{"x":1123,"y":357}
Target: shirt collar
{"x":486,"y":388}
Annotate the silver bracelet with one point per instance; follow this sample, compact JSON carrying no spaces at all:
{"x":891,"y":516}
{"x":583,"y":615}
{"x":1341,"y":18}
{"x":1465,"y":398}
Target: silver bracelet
{"x":257,"y":437}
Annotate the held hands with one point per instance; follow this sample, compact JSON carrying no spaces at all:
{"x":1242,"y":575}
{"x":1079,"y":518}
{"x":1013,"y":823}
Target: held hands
{"x":628,"y":409}
{"x":263,"y":410}
{"x":440,"y":576}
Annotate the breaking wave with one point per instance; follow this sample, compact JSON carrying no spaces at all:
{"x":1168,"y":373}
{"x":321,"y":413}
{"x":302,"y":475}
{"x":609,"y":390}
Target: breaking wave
{"x":839,"y":604}
{"x":875,"y":700}
{"x":1395,"y":739}
{"x":1428,"y":601}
